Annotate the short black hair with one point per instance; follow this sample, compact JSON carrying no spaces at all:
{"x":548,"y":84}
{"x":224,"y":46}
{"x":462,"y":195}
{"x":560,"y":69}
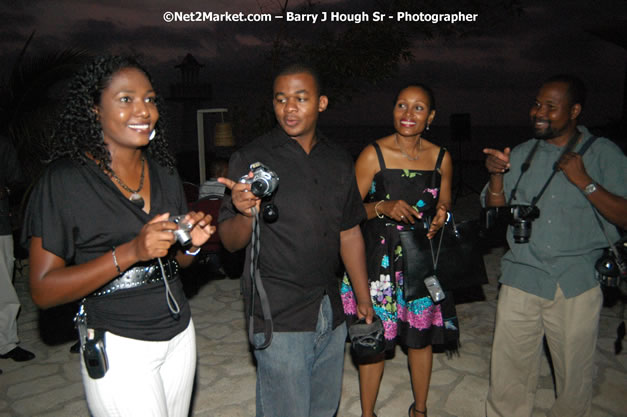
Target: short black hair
{"x":576,"y":87}
{"x":298,"y":68}
{"x":424,"y":88}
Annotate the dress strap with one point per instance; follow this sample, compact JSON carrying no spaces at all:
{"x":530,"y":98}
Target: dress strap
{"x":438,"y":164}
{"x":376,"y":147}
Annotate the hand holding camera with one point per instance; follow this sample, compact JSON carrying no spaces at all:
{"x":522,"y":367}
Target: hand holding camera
{"x":194,"y":228}
{"x":183,"y":232}
{"x":153,"y":241}
{"x":263,"y":182}
{"x":246,"y":194}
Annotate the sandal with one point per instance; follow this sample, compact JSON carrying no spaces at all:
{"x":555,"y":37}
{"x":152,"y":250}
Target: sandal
{"x":417,"y":411}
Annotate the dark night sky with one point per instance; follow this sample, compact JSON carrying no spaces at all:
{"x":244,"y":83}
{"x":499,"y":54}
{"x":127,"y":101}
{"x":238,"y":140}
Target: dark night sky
{"x":493,"y":74}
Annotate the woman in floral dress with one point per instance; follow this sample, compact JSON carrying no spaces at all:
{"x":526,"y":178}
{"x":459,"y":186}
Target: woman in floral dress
{"x":394,"y":176}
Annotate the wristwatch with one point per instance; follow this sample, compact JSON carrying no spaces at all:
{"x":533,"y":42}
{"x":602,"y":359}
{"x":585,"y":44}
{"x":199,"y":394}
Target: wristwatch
{"x":590,"y":188}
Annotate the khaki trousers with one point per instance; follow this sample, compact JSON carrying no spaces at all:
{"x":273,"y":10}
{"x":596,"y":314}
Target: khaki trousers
{"x":571,"y":328}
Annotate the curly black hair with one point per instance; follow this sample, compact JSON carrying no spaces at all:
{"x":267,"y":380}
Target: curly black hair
{"x":78,"y":130}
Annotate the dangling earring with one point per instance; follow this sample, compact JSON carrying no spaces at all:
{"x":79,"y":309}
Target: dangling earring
{"x":152,"y":134}
{"x":427,"y":128}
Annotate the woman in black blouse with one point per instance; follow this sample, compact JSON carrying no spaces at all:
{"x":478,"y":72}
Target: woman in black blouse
{"x":99,"y":230}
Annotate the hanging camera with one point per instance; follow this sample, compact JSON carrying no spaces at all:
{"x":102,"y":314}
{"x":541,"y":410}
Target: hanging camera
{"x":611,"y":267}
{"x":520,"y":216}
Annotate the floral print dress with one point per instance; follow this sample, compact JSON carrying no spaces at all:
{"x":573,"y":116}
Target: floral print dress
{"x":418,"y":323}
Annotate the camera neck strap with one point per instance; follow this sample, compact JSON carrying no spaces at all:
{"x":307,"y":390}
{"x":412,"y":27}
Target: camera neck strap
{"x":525,"y":166}
{"x":436,"y":256}
{"x":257,"y":287}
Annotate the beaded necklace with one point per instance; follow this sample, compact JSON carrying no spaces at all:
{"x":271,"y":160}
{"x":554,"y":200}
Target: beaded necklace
{"x":135,"y":198}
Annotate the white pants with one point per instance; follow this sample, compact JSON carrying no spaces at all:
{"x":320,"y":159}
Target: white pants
{"x":151,"y":379}
{"x":9,"y":303}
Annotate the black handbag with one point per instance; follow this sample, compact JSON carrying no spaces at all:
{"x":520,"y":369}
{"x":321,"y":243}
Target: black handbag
{"x":458,"y":261}
{"x":367,"y":339}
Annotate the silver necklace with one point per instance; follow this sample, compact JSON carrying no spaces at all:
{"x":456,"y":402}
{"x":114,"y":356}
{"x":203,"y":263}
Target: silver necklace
{"x":135,"y":198}
{"x":405,"y":154}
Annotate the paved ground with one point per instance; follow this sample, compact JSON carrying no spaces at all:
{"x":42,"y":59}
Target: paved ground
{"x":51,"y":386}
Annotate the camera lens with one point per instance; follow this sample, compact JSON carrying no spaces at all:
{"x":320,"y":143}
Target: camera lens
{"x":183,"y":237}
{"x":522,"y":231}
{"x":259,"y":188}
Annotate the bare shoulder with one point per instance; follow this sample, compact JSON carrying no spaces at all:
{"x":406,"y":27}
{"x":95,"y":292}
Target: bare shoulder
{"x":370,"y":154}
{"x":387,"y":143}
{"x":368,"y":160}
{"x":431,"y":150}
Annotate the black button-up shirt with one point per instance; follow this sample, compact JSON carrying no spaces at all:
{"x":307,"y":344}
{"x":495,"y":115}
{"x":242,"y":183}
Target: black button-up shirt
{"x":317,"y":198}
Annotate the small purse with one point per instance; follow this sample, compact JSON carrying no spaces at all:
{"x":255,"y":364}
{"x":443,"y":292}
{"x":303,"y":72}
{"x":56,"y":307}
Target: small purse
{"x":367,"y":339}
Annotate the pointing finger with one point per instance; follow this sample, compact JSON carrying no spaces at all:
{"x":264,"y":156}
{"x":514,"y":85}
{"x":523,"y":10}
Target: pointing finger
{"x":228,"y":182}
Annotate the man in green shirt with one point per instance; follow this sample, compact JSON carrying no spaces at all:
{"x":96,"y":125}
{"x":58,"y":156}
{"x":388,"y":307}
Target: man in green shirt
{"x":548,"y":283}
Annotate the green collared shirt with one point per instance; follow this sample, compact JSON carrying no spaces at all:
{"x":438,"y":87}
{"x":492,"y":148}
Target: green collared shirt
{"x":566,"y":239}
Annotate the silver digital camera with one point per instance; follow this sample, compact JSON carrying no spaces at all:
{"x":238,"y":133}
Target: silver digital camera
{"x":264,"y":180}
{"x":183,"y":232}
{"x":435,"y":289}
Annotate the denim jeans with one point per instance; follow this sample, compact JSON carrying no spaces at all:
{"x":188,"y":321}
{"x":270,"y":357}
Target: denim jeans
{"x":300,"y":373}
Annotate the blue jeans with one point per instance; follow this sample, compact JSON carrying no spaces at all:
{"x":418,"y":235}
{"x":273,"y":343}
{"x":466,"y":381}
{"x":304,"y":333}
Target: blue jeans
{"x":300,"y":373}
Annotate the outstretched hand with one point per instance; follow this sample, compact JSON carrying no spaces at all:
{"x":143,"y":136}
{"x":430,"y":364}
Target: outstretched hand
{"x":241,"y":196}
{"x":497,"y":162}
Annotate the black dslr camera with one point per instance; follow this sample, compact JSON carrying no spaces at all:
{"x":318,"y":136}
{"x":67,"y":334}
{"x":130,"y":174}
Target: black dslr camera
{"x":264,"y":180}
{"x":520,"y":216}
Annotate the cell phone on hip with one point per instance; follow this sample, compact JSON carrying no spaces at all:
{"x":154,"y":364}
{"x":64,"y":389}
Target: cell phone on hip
{"x":95,"y":354}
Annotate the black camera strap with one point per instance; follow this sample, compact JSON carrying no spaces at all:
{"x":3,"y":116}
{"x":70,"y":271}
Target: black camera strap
{"x":257,"y":287}
{"x":525,"y":166}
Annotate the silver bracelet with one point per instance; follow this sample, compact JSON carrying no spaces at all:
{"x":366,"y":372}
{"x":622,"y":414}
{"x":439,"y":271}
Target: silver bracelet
{"x":496,"y":194}
{"x":194,"y":253}
{"x":115,"y":261}
{"x":376,"y":206}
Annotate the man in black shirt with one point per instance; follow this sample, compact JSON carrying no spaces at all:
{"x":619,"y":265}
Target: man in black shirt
{"x":320,"y":209}
{"x":10,"y":176}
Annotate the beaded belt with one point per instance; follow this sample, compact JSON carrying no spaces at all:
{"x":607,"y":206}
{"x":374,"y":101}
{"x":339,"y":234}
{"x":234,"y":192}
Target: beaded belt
{"x":138,"y":276}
